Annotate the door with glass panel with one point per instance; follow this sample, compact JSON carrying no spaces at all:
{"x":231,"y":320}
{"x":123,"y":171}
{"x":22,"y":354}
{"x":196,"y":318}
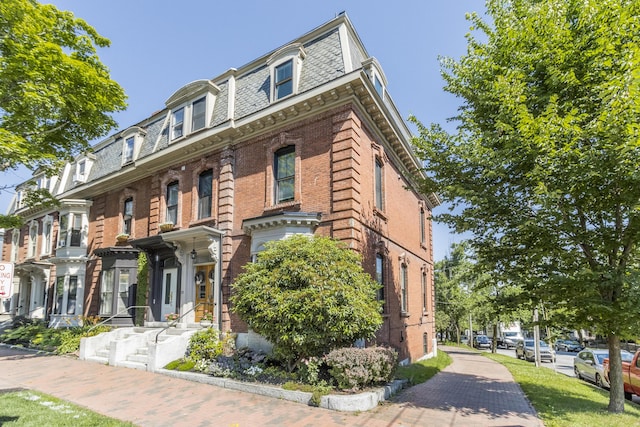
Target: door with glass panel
{"x":204,"y":283}
{"x":169,"y":291}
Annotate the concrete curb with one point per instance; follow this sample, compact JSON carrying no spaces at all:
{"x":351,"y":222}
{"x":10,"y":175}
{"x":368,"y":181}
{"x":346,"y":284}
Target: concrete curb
{"x":337,"y":402}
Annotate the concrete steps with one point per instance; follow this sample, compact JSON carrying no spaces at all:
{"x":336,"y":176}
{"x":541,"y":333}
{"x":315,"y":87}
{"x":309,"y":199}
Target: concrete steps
{"x":147,"y":348}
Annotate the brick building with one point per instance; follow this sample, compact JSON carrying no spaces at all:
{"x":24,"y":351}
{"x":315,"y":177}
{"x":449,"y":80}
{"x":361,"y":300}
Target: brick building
{"x":304,"y":139}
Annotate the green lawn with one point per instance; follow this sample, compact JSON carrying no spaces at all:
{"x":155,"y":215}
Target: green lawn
{"x":30,"y":408}
{"x":566,"y":401}
{"x":420,"y":372}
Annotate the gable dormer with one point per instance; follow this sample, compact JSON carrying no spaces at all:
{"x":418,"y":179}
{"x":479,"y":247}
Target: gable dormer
{"x":131,"y":142}
{"x":285,"y":67}
{"x":373,"y":69}
{"x":191,"y":108}
{"x":83,"y":166}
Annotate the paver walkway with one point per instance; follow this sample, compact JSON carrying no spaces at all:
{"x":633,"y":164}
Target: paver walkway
{"x":472,"y":391}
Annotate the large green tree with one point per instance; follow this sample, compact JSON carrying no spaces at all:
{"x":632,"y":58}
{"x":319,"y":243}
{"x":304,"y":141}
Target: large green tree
{"x":544,"y":167}
{"x":55,"y":94}
{"x":307,"y":296}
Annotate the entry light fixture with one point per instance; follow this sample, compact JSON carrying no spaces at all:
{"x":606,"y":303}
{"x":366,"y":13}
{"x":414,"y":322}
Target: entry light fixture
{"x":194,"y":254}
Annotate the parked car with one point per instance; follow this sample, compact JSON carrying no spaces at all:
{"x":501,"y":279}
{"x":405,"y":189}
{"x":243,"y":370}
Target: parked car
{"x":525,"y":349}
{"x":630,"y":374}
{"x":481,"y":341}
{"x":510,"y":339}
{"x":589,"y":365}
{"x":568,"y":345}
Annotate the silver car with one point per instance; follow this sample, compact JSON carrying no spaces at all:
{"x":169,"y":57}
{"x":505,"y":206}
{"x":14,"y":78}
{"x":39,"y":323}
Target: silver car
{"x":587,"y":365}
{"x":525,"y":349}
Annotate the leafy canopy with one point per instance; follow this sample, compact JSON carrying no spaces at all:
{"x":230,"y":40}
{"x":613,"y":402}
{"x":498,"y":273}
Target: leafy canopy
{"x":307,"y":295}
{"x":55,"y":94}
{"x":544,"y":166}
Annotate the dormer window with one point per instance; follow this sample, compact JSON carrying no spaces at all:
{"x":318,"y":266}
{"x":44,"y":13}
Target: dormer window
{"x":132,"y":140}
{"x":177,"y":123}
{"x":129,"y":145}
{"x":83,"y":168}
{"x":374,"y":71}
{"x":285,"y":66}
{"x":283,"y":80}
{"x":198,"y":114}
{"x":191,"y":107}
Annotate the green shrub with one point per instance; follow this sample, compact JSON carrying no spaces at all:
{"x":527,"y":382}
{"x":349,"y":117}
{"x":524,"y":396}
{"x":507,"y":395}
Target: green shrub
{"x":307,"y":296}
{"x":356,"y":368}
{"x":34,"y":333}
{"x":204,"y":345}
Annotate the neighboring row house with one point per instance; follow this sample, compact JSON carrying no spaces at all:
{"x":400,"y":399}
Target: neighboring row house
{"x":305,"y":139}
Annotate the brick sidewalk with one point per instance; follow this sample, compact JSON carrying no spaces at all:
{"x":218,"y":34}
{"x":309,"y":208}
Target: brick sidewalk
{"x":472,"y":391}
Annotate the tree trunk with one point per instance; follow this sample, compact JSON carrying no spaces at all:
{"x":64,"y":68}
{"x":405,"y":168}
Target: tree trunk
{"x":616,"y":391}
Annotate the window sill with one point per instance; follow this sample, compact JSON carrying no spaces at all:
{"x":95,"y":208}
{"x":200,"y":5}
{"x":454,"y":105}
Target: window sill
{"x":283,"y":206}
{"x":405,"y":314}
{"x":211,"y":221}
{"x":377,"y":212}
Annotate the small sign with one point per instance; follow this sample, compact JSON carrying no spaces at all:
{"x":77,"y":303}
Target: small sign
{"x":6,"y":280}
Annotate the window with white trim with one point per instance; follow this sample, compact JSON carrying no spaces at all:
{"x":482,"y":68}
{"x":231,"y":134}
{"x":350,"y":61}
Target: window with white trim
{"x":129,"y":147}
{"x":172,"y":194}
{"x":33,"y":240}
{"x":47,"y":232}
{"x":191,"y":107}
{"x":283,"y":80}
{"x":70,"y":230}
{"x":404,"y":284}
{"x":66,"y":291}
{"x":15,"y":241}
{"x":285,"y":67}
{"x":198,"y":114}
{"x":177,"y":123}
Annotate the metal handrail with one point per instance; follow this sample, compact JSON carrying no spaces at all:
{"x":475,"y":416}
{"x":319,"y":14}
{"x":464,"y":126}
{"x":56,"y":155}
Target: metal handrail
{"x":124,"y":310}
{"x":176,"y":320}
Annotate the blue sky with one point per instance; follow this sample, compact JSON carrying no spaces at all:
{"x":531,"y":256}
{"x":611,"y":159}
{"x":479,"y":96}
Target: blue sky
{"x":158,"y":46}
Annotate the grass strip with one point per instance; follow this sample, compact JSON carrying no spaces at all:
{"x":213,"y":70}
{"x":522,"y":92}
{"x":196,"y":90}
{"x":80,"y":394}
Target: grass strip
{"x":565,"y":401}
{"x":31,"y":408}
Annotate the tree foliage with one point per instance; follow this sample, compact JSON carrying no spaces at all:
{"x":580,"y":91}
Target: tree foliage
{"x":55,"y":94}
{"x":544,"y":164}
{"x":307,"y":296}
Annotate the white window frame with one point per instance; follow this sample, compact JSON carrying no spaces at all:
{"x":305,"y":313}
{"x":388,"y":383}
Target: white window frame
{"x":47,"y":223}
{"x":378,"y":79}
{"x":404,"y":288}
{"x":83,"y":168}
{"x":15,"y":244}
{"x":293,"y":53}
{"x":135,"y":136}
{"x":184,"y":100}
{"x":33,"y":240}
{"x":73,"y":219}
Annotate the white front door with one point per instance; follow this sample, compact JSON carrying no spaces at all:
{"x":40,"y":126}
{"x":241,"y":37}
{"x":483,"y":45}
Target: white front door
{"x":169,"y":289}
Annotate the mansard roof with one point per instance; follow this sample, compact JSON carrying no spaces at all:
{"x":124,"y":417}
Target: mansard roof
{"x":334,"y":69}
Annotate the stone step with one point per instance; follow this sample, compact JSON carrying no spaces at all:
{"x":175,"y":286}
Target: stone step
{"x":103,"y":352}
{"x":98,"y":359}
{"x":134,"y":365}
{"x":138,"y":358}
